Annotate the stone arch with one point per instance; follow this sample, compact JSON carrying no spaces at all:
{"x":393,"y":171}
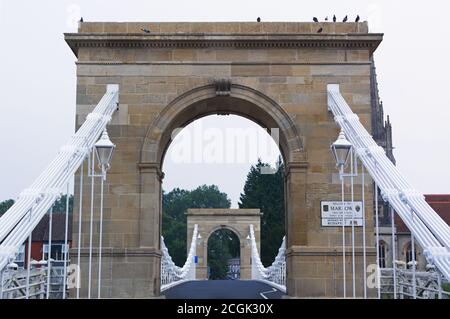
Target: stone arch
{"x":202,"y":101}
{"x":212,"y":99}
{"x":238,"y":234}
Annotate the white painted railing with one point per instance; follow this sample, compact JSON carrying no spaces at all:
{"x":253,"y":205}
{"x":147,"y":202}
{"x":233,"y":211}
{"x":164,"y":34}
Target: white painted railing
{"x":275,"y":274}
{"x":171,"y":274}
{"x":431,"y":232}
{"x":14,"y":284}
{"x":410,"y":285}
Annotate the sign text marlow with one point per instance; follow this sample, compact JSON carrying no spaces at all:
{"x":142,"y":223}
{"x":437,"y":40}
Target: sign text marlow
{"x":331,"y":214}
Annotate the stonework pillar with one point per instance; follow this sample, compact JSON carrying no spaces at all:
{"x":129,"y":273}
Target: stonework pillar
{"x":150,"y":222}
{"x":296,"y":221}
{"x":131,"y":262}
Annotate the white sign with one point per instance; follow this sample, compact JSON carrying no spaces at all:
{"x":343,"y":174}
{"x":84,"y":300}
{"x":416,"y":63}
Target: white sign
{"x":331,"y":213}
{"x":333,"y":222}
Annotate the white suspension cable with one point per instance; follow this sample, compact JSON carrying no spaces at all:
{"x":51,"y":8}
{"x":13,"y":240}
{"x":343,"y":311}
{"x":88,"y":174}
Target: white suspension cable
{"x":364,"y":231}
{"x":80,"y":215}
{"x":91,"y":221}
{"x":171,"y":274}
{"x":43,"y":192}
{"x":100,"y":240}
{"x":352,"y":163}
{"x":343,"y":233}
{"x":275,"y":274}
{"x":28,"y":266}
{"x":428,"y":228}
{"x":413,"y":259}
{"x":377,"y":238}
{"x":394,"y":254}
{"x":49,"y":252}
{"x":66,"y":249}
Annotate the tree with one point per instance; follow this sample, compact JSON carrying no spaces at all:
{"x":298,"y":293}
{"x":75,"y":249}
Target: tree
{"x":60,"y":205}
{"x":266,"y":192}
{"x":5,"y":205}
{"x":175,"y":205}
{"x":223,"y":245}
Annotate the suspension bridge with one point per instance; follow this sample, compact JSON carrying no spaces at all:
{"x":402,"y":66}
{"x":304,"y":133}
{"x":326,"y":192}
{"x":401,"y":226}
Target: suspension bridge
{"x":158,"y":82}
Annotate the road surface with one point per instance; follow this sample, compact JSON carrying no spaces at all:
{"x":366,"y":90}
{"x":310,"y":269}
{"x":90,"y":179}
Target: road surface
{"x":223,"y":289}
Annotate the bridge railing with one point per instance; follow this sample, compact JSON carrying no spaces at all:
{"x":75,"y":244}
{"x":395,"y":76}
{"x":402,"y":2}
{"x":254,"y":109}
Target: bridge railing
{"x":19,"y":284}
{"x":275,"y":274}
{"x":171,"y":274}
{"x":426,"y":226}
{"x":409,"y":285}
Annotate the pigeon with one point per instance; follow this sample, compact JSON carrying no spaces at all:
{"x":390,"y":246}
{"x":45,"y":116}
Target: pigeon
{"x":345,"y":19}
{"x":146,"y":30}
{"x":315,"y":19}
{"x":334,"y":18}
{"x":81,"y":19}
{"x":320,"y":30}
{"x":357,"y":19}
{"x":258,"y":20}
{"x":326,"y":18}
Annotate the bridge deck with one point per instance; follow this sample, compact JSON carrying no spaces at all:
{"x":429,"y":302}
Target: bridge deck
{"x":223,"y":289}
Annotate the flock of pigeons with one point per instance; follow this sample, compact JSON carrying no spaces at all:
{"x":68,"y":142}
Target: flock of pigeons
{"x":259,"y":20}
{"x":335,"y":19}
{"x":358,"y":18}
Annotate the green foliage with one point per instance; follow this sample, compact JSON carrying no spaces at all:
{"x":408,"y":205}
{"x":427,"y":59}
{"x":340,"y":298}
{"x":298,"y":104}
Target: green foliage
{"x":446,"y":287}
{"x":5,"y":205}
{"x":266,"y":192}
{"x":60,"y":205}
{"x":175,"y":205}
{"x":223,"y":245}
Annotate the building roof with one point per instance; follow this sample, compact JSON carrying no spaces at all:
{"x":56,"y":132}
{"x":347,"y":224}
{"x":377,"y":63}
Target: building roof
{"x":41,"y":232}
{"x":440,"y":203}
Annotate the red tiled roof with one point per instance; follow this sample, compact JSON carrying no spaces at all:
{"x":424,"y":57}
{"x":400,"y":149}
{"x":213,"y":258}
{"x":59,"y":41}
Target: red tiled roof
{"x":440,"y":203}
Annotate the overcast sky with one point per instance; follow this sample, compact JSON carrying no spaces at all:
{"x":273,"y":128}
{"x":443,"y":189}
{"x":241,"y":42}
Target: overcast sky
{"x":38,"y":82}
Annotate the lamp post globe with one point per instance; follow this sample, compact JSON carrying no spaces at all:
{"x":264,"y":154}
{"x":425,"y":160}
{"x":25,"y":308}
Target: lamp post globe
{"x":104,"y":150}
{"x":341,"y":149}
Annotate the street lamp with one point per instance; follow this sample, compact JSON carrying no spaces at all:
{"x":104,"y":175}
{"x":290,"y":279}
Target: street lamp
{"x":341,"y":150}
{"x":104,"y":150}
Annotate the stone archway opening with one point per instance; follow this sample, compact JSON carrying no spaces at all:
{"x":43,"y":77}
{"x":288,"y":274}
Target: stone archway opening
{"x":223,"y":257}
{"x":200,"y":102}
{"x":192,"y":161}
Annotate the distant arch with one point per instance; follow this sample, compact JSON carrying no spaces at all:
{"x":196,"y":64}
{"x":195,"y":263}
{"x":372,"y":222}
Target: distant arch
{"x":229,"y":227}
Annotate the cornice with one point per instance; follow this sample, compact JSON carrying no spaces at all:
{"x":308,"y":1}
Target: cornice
{"x":368,"y":41}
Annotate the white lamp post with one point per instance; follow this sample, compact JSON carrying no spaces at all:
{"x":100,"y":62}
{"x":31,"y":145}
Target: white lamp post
{"x":341,"y":150}
{"x":104,"y":150}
